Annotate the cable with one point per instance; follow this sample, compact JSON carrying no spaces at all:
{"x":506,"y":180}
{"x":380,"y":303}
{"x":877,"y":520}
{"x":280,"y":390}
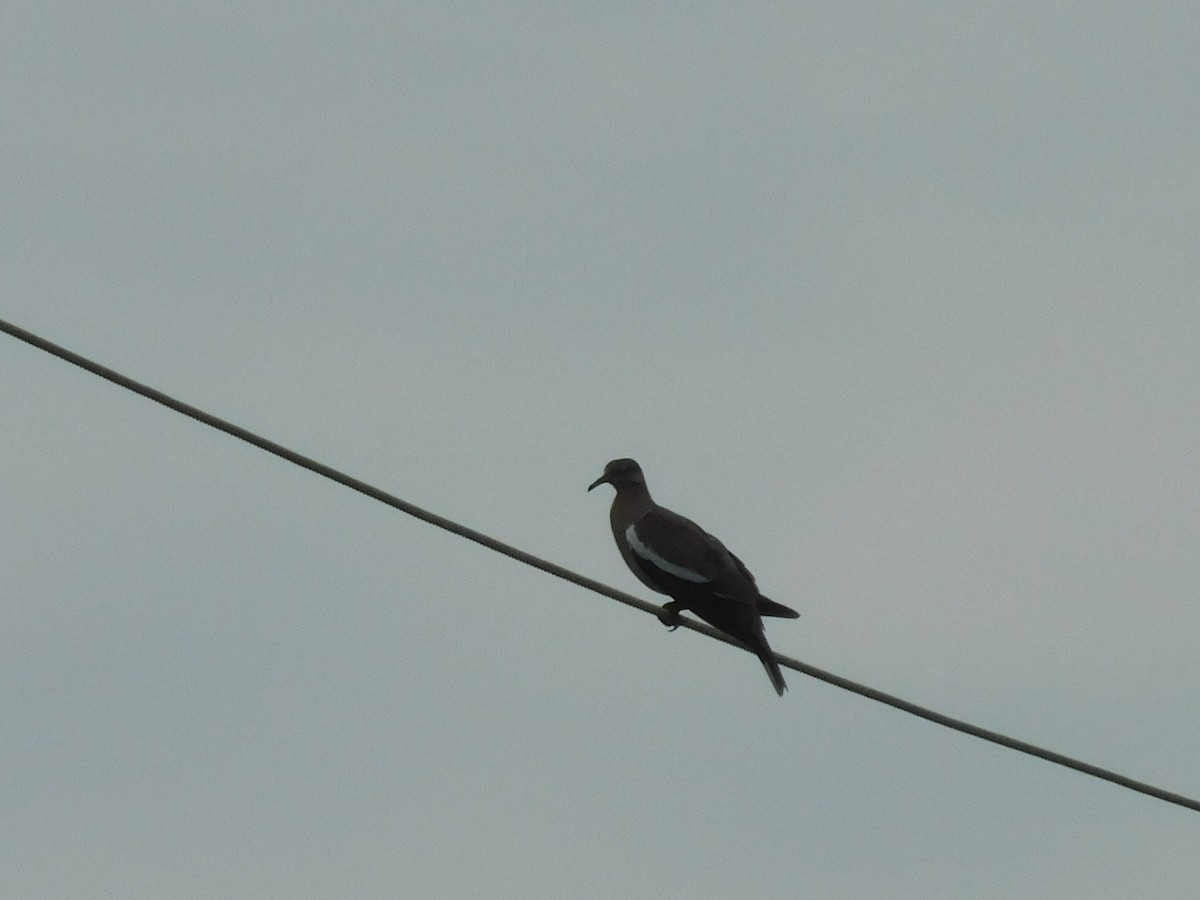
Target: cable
{"x":581,"y":580}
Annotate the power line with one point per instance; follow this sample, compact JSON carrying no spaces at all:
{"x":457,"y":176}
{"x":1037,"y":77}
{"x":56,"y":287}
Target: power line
{"x":552,"y":568}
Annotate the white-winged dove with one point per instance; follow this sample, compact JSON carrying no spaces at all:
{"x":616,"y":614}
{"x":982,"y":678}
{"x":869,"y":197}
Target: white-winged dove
{"x":675,"y":556}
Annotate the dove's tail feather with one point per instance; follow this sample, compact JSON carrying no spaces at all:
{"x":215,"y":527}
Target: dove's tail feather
{"x":771,"y":608}
{"x":772,"y":667}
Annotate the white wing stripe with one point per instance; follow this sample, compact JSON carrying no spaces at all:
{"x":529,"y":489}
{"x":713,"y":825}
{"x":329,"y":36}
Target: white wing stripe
{"x":654,"y":559}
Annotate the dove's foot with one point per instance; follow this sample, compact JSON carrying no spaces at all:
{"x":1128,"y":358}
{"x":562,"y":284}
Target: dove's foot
{"x":668,"y":614}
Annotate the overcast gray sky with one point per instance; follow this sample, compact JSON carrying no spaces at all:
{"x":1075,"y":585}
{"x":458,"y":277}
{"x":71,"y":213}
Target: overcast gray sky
{"x":899,"y":300}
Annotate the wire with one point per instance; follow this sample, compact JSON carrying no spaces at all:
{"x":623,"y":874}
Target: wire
{"x":581,"y":580}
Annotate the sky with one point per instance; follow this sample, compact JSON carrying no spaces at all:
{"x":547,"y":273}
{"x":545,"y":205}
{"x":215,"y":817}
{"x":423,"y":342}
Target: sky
{"x":898,"y":300}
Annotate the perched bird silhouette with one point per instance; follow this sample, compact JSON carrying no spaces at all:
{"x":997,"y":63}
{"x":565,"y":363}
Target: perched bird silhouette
{"x":675,"y":556}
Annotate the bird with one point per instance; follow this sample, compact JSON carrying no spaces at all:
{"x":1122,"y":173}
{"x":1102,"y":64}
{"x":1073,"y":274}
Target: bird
{"x":673,"y":555}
